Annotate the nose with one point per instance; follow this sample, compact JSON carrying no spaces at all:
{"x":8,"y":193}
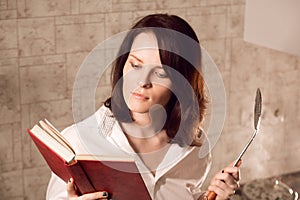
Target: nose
{"x":145,"y":84}
{"x":144,"y":80}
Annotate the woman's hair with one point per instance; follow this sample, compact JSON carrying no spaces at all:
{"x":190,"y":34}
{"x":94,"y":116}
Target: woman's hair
{"x":180,"y":50}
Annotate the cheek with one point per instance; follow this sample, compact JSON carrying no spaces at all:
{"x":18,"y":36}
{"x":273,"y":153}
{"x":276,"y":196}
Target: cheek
{"x":163,"y":96}
{"x":129,"y":84}
{"x":126,"y":78}
{"x":127,"y":87}
{"x":126,"y":68}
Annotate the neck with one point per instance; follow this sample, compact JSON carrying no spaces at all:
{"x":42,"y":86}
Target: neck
{"x":141,"y":119}
{"x":147,"y":124}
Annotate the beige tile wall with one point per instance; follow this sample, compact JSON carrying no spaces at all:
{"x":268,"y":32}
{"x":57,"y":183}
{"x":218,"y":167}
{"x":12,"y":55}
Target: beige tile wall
{"x":43,"y":43}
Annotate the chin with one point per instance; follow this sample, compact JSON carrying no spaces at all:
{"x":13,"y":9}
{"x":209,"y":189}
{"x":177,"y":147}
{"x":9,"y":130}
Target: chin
{"x":139,"y":106}
{"x":138,"y":109}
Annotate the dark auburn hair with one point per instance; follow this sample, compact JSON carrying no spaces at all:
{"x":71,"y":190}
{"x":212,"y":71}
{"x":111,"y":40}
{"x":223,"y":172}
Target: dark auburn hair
{"x":180,"y":50}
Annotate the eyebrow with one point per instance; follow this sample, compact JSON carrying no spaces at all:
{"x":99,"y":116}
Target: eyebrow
{"x":136,"y":58}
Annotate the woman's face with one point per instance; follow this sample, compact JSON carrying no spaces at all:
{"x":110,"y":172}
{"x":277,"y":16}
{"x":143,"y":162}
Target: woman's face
{"x":145,"y":82}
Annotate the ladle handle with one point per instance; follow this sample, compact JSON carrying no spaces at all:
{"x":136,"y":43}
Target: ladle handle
{"x":210,"y":196}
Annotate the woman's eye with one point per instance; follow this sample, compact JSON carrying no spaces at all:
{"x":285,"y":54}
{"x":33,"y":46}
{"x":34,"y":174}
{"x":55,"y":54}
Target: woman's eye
{"x":135,"y":65}
{"x":161,"y":74}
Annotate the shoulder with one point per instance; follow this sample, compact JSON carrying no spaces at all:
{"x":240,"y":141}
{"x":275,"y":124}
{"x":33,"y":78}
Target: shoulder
{"x":91,"y":121}
{"x":87,"y":129}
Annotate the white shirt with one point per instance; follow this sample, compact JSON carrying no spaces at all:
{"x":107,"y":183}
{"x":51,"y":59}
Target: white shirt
{"x":180,"y":175}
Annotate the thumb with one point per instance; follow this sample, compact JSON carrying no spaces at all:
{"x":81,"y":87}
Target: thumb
{"x":71,"y":189}
{"x":239,"y":163}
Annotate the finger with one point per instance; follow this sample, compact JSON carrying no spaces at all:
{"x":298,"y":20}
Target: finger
{"x":233,"y":171}
{"x":71,"y":189}
{"x":227,"y":179}
{"x":230,"y":169}
{"x":219,"y":192}
{"x":95,"y":195}
{"x":239,"y":163}
{"x":221,"y":189}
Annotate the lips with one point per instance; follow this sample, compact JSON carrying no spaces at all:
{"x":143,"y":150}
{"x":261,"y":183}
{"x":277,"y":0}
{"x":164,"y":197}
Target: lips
{"x":139,"y":96}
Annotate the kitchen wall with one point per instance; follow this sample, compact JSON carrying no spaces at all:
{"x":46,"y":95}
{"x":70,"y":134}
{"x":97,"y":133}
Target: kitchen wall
{"x":43,"y":43}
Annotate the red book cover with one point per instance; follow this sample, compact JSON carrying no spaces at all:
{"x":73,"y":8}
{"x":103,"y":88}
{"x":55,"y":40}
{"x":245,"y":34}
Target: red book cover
{"x":120,"y":184}
{"x":95,"y":175}
{"x":59,"y":166}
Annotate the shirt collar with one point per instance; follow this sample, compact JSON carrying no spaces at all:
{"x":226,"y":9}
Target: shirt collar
{"x":111,"y":129}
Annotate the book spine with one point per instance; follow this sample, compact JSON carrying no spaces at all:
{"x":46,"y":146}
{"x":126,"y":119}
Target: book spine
{"x":81,"y":180}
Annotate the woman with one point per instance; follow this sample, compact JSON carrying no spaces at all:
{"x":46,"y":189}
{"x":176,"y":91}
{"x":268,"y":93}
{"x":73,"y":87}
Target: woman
{"x":158,"y":101}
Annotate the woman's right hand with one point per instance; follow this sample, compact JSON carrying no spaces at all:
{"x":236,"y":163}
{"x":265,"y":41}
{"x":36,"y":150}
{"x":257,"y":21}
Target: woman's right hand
{"x":72,"y":193}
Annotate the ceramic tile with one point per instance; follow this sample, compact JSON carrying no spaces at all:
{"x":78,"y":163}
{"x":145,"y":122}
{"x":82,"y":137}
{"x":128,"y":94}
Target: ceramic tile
{"x":214,"y":2}
{"x":36,"y":36}
{"x":35,"y":182}
{"x":278,"y":61}
{"x":74,"y":61}
{"x":30,"y":154}
{"x":209,"y":26}
{"x":216,"y":50}
{"x":8,"y":14}
{"x":8,"y":53}
{"x":43,"y":83}
{"x":21,"y":8}
{"x":78,"y":37}
{"x":32,"y":158}
{"x":235,"y":22}
{"x":11,"y":4}
{"x":59,"y":112}
{"x":243,"y":2}
{"x":42,"y":60}
{"x":8,"y":34}
{"x":133,"y":6}
{"x":79,"y":19}
{"x":8,"y":62}
{"x":7,"y":145}
{"x":248,"y":67}
{"x":94,"y":6}
{"x":3,"y":4}
{"x":207,"y":10}
{"x":10,"y":184}
{"x":9,"y":95}
{"x":13,"y":166}
{"x":75,"y":7}
{"x":45,"y":8}
{"x":118,"y":22}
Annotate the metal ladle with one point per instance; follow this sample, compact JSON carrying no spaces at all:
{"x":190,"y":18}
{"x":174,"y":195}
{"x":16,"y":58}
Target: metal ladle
{"x":257,"y":116}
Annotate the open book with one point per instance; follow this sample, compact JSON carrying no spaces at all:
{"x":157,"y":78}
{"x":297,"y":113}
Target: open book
{"x":90,"y":172}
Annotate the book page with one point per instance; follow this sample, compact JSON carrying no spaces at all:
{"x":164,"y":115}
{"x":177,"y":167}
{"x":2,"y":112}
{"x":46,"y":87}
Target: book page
{"x":104,"y":158}
{"x":53,"y":144}
{"x":53,"y":132}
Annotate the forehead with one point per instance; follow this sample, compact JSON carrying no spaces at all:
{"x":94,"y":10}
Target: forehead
{"x":144,"y":41}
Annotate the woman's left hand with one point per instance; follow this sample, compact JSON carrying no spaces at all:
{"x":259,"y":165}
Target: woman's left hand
{"x":225,"y":182}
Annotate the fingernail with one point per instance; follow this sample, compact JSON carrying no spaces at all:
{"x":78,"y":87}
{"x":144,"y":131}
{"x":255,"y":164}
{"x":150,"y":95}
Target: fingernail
{"x":104,"y":194}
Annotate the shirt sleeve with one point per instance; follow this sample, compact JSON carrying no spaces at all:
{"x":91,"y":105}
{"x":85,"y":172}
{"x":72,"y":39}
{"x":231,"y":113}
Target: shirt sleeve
{"x":56,"y":189}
